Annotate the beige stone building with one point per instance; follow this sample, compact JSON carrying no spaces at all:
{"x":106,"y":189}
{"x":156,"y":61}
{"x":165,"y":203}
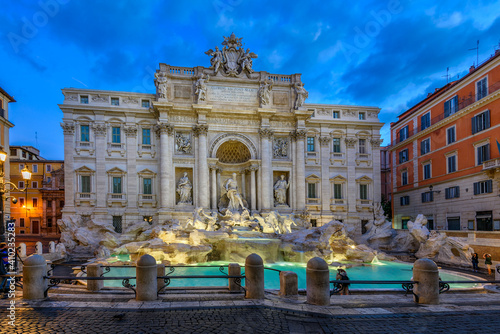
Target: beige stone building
{"x":219,"y":137}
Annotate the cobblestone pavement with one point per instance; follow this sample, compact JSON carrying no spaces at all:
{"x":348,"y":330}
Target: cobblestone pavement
{"x":257,"y":319}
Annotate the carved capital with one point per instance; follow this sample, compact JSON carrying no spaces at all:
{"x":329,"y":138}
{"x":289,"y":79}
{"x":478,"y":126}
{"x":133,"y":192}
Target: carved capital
{"x":253,"y":168}
{"x":68,"y":128}
{"x":99,"y":129}
{"x":200,"y":130}
{"x":350,"y":142}
{"x":300,"y":134}
{"x":324,"y":141}
{"x":164,"y":128}
{"x":376,"y":142}
{"x":266,"y":133}
{"x":130,"y":131}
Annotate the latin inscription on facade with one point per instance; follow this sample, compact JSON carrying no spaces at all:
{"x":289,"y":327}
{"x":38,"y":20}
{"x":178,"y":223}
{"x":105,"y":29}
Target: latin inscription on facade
{"x":232,"y":94}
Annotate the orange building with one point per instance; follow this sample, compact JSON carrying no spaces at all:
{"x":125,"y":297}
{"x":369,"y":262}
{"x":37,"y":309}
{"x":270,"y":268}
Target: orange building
{"x":445,"y":160}
{"x":41,"y":199}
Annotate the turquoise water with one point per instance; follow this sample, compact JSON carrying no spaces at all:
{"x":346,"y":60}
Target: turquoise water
{"x":386,"y":271}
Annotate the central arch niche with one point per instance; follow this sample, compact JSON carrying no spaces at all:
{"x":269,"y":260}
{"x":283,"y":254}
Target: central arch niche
{"x":233,"y":152}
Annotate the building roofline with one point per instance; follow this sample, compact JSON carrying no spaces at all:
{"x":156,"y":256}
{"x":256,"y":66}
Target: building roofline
{"x":2,"y":91}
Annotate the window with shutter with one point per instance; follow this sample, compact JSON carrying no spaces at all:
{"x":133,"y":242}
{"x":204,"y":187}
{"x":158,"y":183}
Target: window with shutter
{"x":450,"y":135}
{"x":482,"y":88}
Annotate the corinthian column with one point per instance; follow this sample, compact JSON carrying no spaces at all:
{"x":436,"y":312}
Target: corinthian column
{"x":166,"y":187}
{"x":253,"y":188}
{"x":69,"y":167}
{"x":132,"y":189}
{"x":301,"y":170}
{"x":100,"y":130}
{"x":200,"y":131}
{"x":325,"y":174}
{"x":266,"y":170}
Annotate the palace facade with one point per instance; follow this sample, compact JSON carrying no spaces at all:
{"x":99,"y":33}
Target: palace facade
{"x":132,"y":156}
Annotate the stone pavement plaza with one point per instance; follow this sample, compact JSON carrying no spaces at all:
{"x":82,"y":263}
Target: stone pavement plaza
{"x":204,"y":312}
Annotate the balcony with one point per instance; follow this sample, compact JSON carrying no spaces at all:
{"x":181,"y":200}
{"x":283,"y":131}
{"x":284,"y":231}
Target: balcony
{"x":84,"y":146}
{"x":364,"y":158}
{"x":337,"y":158}
{"x":364,"y":205}
{"x":492,"y":168}
{"x":147,"y":200}
{"x":114,"y":199}
{"x":81,"y":198}
{"x":338,"y":204}
{"x":464,"y":101}
{"x":116,"y":148}
{"x":146,"y":149}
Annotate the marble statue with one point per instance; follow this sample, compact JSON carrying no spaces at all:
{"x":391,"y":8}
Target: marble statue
{"x":184,"y":188}
{"x":280,"y":148}
{"x":182,"y":143}
{"x":265,"y":93}
{"x":201,"y":87}
{"x":302,"y":95}
{"x":235,"y":200}
{"x":246,"y":60}
{"x":280,"y":188}
{"x":161,"y":81}
{"x":216,"y":60}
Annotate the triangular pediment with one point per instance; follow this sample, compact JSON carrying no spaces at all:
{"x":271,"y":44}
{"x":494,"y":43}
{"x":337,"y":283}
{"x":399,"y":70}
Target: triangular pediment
{"x":84,"y":169}
{"x":116,"y":170}
{"x":313,"y":177}
{"x":338,"y":178}
{"x":364,"y":178}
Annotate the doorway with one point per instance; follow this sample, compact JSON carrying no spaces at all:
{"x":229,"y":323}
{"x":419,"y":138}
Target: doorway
{"x":35,"y":227}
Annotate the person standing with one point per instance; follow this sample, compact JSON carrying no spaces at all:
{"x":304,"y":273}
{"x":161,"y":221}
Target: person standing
{"x":475,"y":262}
{"x":487,"y":262}
{"x":342,"y":276}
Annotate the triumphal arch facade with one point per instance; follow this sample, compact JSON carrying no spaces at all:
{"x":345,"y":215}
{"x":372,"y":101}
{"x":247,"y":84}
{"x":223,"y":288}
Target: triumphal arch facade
{"x":222,"y":137}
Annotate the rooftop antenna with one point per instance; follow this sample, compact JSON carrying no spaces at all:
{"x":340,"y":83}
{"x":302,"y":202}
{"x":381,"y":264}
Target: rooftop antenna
{"x":447,"y":75}
{"x":477,"y":52}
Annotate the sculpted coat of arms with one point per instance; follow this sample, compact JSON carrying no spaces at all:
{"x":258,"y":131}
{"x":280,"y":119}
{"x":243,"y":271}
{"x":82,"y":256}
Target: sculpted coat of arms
{"x":232,"y":60}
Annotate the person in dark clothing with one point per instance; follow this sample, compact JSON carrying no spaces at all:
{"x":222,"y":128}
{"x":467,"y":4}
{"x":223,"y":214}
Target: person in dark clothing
{"x":487,"y":262}
{"x":342,"y":276}
{"x":475,"y":262}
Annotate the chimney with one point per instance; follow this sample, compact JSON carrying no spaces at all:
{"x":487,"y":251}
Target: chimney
{"x":436,"y":89}
{"x":472,"y":68}
{"x":429,"y":94}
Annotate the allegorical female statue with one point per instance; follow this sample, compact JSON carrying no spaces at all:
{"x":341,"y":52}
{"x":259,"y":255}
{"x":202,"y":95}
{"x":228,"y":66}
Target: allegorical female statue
{"x":184,"y":188}
{"x":280,"y":188}
{"x":235,"y":200}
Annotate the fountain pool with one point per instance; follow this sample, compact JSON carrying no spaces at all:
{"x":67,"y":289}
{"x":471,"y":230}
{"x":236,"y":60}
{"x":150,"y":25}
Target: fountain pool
{"x":384,"y":271}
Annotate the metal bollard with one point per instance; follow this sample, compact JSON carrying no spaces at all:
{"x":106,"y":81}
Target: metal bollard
{"x":318,"y":282}
{"x":160,"y":271}
{"x":147,"y":286}
{"x":94,"y":270}
{"x":426,"y":273}
{"x":234,"y":269}
{"x":289,"y":284}
{"x":254,"y":277}
{"x":34,"y":285}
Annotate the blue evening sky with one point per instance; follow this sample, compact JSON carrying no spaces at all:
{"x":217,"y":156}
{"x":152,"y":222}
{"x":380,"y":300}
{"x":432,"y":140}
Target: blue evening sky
{"x":388,"y":54}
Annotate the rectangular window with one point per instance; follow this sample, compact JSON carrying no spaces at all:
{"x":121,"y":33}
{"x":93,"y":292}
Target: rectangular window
{"x":35,"y":202}
{"x":362,"y":146}
{"x":404,"y":178}
{"x":483,"y":187}
{"x":427,"y":171}
{"x":428,"y":196}
{"x":482,"y":88}
{"x":451,"y":106}
{"x":403,"y":156}
{"x":84,"y":133}
{"x":117,"y":224}
{"x":362,"y":116}
{"x":425,"y":121}
{"x":452,"y":163}
{"x":35,"y":168}
{"x":404,"y":200}
{"x":117,"y":185}
{"x":49,"y":168}
{"x":146,"y":136}
{"x":49,"y":222}
{"x":85,"y":179}
{"x":115,"y":101}
{"x":24,"y":154}
{"x":49,"y":204}
{"x":116,"y":135}
{"x":34,"y":184}
{"x":336,"y":114}
{"x":84,"y":99}
{"x":21,"y":222}
{"x":337,"y":191}
{"x":450,"y":135}
{"x":145,"y":103}
{"x":21,"y":166}
{"x":452,"y":192}
{"x":311,"y":190}
{"x":404,"y":133}
{"x":21,"y":202}
{"x":13,"y":151}
{"x":314,"y":223}
{"x":363,"y":191}
{"x":336,"y":145}
{"x":20,"y":184}
{"x":310,"y":144}
{"x":147,"y":186}
{"x":425,"y":146}
{"x":480,"y":122}
{"x":483,"y":154}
